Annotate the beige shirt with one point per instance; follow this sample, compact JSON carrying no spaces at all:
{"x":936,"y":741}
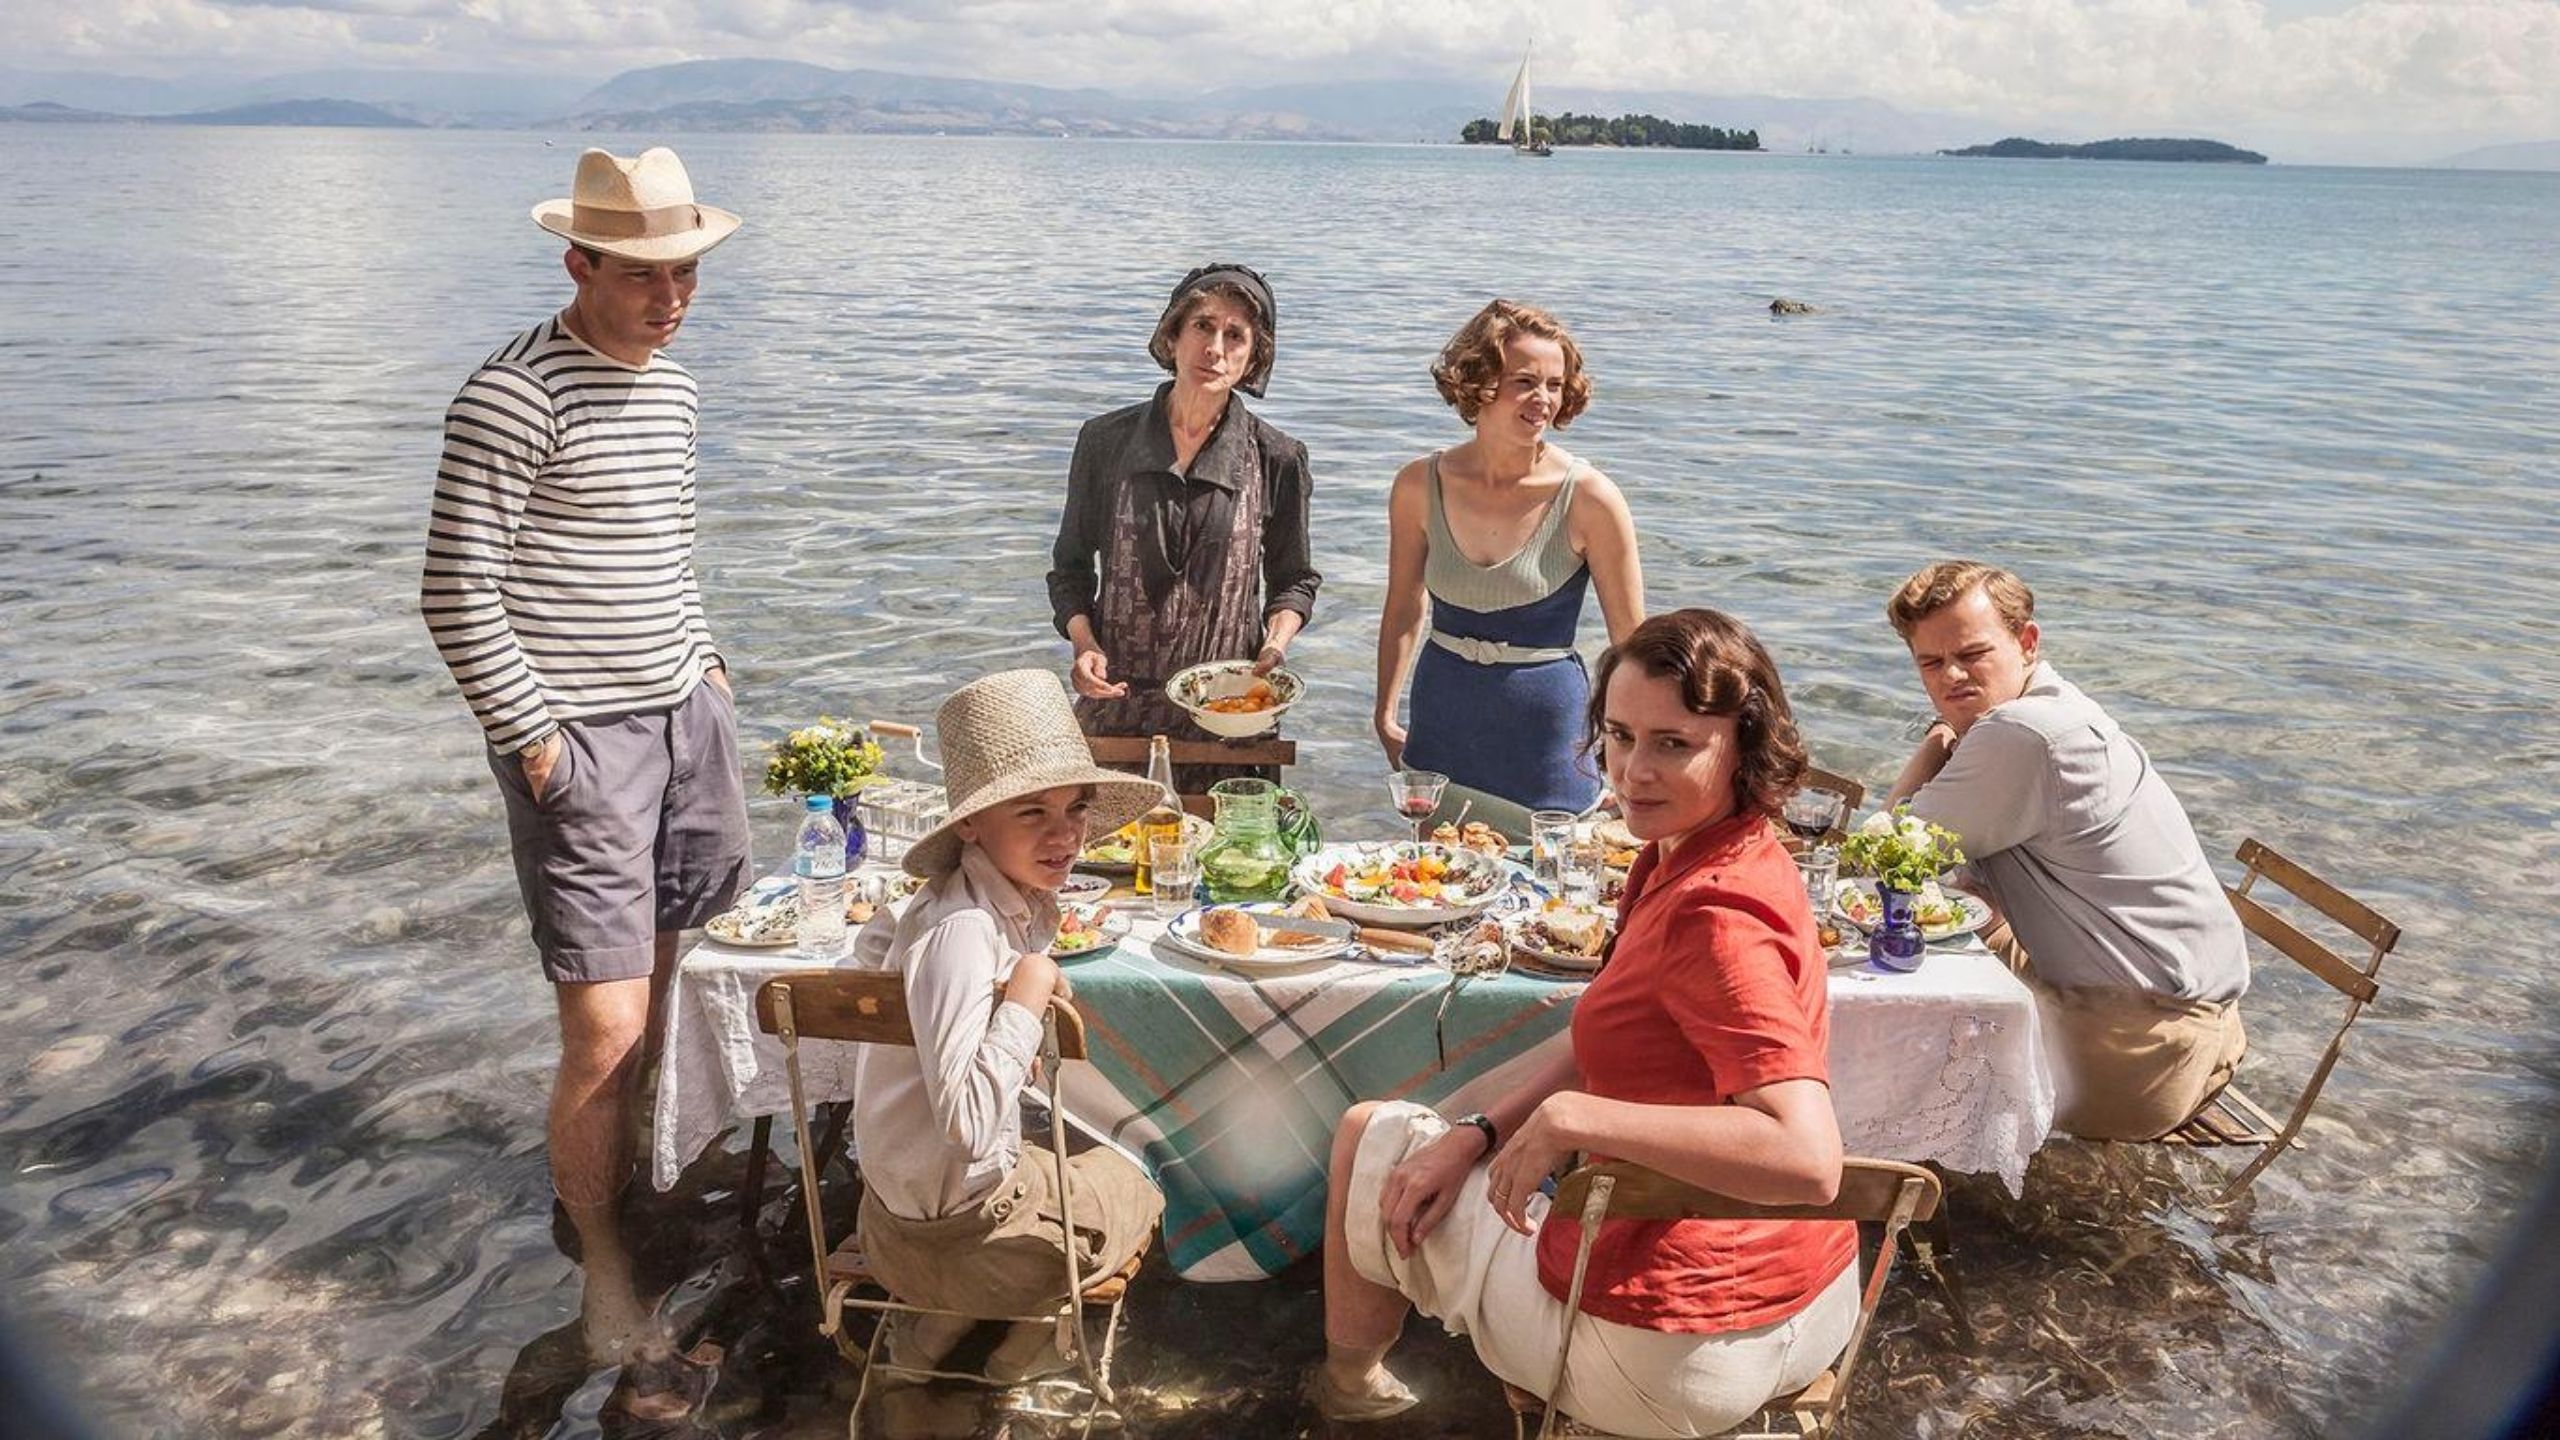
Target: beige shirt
{"x":2077,"y":839}
{"x":939,"y":1126}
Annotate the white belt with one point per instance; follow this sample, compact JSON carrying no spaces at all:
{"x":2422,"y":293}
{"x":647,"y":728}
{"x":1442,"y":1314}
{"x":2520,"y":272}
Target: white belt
{"x":1495,"y":652}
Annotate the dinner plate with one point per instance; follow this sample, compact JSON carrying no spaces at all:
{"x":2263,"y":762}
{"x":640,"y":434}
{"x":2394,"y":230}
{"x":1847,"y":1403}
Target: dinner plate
{"x":766,"y":917}
{"x":1183,"y":934}
{"x":1115,"y":928}
{"x":1477,"y":880}
{"x":1083,"y":890}
{"x":1527,"y":943}
{"x":1100,"y":860}
{"x":1855,"y":901}
{"x":1524,"y":963}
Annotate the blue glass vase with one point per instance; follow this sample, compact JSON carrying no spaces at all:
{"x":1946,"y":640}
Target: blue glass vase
{"x":1895,"y":943}
{"x":849,"y":815}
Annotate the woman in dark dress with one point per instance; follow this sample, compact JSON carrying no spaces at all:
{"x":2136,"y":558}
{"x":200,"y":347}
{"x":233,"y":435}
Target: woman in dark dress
{"x":1185,"y":533}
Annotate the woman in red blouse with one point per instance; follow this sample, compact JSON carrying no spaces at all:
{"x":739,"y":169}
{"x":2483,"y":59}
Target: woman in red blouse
{"x":1700,"y":1051}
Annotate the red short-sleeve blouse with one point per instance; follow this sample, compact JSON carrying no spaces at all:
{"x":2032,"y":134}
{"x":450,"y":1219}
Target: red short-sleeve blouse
{"x":1716,"y":986}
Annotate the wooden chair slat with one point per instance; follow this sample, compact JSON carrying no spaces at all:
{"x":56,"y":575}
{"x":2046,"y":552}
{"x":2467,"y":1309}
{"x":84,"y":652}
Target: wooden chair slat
{"x":1131,"y":750}
{"x":1869,"y":1190}
{"x":2310,"y":954}
{"x":2368,"y":924}
{"x":870,"y":1006}
{"x":1817,"y":778}
{"x":2219,"y":1124}
{"x":2262,"y":1126}
{"x":865,"y":1005}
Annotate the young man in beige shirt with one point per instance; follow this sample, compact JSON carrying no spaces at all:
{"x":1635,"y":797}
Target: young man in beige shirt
{"x":2110,"y":909}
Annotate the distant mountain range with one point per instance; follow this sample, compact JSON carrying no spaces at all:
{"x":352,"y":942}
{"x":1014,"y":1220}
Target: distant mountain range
{"x":2536,"y":155}
{"x":348,"y":113}
{"x":783,"y":95}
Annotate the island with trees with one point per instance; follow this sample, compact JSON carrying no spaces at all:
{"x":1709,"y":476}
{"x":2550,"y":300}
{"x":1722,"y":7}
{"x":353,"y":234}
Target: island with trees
{"x":2210,"y":152}
{"x":1632,"y":132}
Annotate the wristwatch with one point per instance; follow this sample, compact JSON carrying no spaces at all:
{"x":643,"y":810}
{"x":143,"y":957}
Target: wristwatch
{"x":534,"y":747}
{"x":1483,"y":1122}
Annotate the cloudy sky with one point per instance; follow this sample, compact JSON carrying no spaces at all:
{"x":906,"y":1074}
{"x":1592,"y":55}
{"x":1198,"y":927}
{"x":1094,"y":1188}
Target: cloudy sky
{"x":2480,"y":69}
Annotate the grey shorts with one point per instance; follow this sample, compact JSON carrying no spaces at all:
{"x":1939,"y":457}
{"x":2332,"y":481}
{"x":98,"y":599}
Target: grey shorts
{"x":643,"y":828}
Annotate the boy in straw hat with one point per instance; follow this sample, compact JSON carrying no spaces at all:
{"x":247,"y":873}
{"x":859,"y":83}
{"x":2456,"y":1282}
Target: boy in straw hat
{"x":957,"y":1211}
{"x":560,"y":590}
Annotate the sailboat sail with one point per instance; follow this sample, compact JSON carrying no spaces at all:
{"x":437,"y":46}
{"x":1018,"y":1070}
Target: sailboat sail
{"x":1515,"y":106}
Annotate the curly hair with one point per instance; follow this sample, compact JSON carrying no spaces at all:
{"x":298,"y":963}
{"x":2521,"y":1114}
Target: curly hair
{"x":1722,"y":670}
{"x":1469,"y":370}
{"x":1935,"y":587}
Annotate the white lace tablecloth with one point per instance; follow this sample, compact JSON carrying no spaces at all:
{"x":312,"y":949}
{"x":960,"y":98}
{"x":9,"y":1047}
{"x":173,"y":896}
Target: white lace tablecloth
{"x":1943,"y":1065}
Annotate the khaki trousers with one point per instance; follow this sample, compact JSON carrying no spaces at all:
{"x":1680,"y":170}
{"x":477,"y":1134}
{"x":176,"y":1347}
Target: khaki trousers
{"x":2128,"y":1064}
{"x":1007,"y":1257}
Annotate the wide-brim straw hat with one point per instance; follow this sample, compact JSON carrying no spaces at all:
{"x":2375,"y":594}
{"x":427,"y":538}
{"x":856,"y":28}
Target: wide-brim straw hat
{"x":639,"y":209}
{"x":1009,"y":735}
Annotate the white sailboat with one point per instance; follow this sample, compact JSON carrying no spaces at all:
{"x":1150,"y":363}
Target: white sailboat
{"x":1515,"y":113}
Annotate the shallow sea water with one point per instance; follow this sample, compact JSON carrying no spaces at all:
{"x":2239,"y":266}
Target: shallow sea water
{"x":2275,"y":446}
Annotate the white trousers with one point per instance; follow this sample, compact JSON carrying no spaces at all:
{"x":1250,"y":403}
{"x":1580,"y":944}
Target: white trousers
{"x":1479,"y":1277}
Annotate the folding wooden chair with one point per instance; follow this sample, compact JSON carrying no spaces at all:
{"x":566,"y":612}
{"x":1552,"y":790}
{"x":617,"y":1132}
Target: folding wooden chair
{"x":1885,"y":1191}
{"x":1129,"y":752}
{"x":870,"y":1007}
{"x":2231,"y":1118}
{"x":1817,"y":778}
{"x":1850,"y":792}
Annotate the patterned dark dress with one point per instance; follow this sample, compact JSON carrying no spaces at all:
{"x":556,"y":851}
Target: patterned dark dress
{"x":1177,"y":569}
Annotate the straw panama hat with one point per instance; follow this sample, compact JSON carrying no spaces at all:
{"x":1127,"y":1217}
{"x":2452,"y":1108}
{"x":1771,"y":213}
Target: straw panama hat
{"x":1007,"y":736}
{"x":638,"y":209}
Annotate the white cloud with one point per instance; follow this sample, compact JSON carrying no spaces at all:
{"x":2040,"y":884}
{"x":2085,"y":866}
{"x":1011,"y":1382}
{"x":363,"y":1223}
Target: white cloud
{"x":2441,"y":66}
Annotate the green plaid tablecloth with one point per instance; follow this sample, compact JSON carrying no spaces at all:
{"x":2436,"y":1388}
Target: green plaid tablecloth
{"x":1228,"y":1087}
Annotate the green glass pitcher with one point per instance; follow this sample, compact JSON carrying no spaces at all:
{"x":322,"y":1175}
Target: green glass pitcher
{"x":1247,"y":859}
{"x":1298,"y":828}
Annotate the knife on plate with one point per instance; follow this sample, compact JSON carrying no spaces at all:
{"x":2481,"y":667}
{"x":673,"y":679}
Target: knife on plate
{"x":1271,"y":923}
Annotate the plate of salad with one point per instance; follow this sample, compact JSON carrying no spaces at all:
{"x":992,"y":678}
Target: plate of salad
{"x":1403,"y":883}
{"x":1943,"y":914}
{"x":1087,"y":930}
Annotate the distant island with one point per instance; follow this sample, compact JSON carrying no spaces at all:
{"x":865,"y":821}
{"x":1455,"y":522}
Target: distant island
{"x":2212,"y":152}
{"x":1632,"y":132}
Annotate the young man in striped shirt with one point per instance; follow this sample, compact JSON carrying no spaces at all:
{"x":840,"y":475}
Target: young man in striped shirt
{"x":560,"y":590}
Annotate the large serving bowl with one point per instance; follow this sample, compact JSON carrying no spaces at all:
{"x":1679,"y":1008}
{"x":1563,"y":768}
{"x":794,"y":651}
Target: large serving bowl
{"x":1391,"y":884}
{"x":1194,"y":690}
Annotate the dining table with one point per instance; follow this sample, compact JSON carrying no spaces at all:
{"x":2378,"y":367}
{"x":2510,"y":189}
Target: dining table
{"x":1226,"y":1084}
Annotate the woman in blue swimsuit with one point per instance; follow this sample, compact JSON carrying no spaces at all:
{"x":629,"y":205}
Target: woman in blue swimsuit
{"x":1503,"y":535}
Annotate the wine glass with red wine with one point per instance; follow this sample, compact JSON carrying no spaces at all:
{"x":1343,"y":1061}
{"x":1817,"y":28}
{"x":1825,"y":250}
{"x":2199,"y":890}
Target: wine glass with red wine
{"x":1416,"y":794}
{"x":1812,"y":815}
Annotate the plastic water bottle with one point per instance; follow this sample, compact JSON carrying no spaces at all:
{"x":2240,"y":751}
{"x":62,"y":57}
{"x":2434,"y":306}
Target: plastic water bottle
{"x":818,"y":860}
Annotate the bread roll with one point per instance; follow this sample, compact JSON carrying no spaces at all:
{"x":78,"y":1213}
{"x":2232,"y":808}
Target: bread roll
{"x":1231,"y":930}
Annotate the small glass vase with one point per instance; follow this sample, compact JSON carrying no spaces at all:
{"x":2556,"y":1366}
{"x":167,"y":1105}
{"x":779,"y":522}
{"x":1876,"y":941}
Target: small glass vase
{"x":1895,"y":943}
{"x":849,"y":815}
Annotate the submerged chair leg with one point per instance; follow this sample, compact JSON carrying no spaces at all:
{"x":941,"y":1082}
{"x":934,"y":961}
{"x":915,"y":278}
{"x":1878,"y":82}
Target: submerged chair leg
{"x":751,"y":1195}
{"x":862,"y":1387}
{"x":1933,"y":1249}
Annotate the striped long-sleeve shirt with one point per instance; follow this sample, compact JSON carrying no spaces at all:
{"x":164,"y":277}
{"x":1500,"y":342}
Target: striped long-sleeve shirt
{"x":559,"y":578}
